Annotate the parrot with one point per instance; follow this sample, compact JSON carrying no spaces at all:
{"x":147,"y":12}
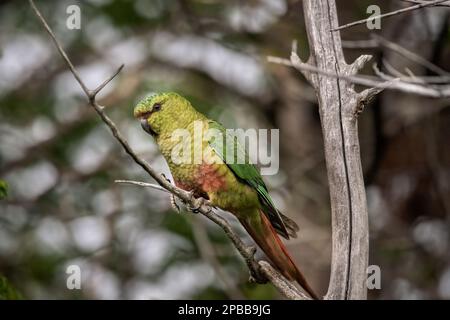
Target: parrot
{"x":234,"y":187}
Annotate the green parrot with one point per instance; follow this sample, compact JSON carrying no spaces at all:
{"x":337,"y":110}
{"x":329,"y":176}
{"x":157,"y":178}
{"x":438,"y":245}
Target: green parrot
{"x":234,"y":187}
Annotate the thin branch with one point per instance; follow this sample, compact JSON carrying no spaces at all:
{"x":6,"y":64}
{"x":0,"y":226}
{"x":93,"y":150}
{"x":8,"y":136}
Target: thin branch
{"x":261,"y":275}
{"x":410,"y":55}
{"x":93,"y":93}
{"x":359,"y":63}
{"x":60,"y":49}
{"x":360,"y":44}
{"x":261,"y":271}
{"x":390,"y":14}
{"x":143,"y":184}
{"x":427,"y":81}
{"x":421,"y":1}
{"x":379,"y":41}
{"x":435,"y":92}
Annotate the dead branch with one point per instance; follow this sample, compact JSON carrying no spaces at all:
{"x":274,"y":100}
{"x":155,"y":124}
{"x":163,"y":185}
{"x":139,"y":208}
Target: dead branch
{"x":338,"y":104}
{"x":409,"y":55}
{"x":437,"y":91}
{"x":422,"y":1}
{"x":422,"y":4}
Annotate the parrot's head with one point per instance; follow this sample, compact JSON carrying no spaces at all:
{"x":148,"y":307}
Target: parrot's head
{"x":162,"y":113}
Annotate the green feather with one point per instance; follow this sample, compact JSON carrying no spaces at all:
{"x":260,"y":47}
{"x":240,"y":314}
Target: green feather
{"x":247,"y":173}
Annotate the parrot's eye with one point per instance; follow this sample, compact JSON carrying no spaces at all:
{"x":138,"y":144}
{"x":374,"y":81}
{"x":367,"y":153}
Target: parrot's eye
{"x":156,"y":107}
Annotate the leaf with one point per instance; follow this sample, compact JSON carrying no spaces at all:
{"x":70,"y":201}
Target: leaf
{"x":3,"y":189}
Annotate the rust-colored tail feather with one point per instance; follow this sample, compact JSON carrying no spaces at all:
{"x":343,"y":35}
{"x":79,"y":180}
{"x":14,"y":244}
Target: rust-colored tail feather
{"x":261,"y":230}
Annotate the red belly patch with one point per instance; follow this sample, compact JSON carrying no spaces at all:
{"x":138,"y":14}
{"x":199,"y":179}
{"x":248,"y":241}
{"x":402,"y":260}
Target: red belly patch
{"x":206,"y":178}
{"x":211,"y":180}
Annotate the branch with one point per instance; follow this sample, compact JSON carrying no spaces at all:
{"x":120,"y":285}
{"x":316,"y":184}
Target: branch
{"x":392,"y":13}
{"x":410,"y":55}
{"x":442,"y":91}
{"x":337,"y":104}
{"x":143,"y":184}
{"x":260,"y":271}
{"x":421,"y":1}
{"x":260,"y":274}
{"x":378,"y":41}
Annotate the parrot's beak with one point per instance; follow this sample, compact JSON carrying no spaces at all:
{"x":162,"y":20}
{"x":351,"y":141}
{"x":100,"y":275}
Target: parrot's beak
{"x":146,"y":126}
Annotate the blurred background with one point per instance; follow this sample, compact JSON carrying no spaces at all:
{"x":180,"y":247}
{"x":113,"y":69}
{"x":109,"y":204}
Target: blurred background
{"x":60,"y":161}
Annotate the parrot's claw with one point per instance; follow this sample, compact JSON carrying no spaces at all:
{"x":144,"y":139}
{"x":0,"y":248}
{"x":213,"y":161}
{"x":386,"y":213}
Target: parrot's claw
{"x":174,"y":204}
{"x":197,"y":203}
{"x":256,"y":278}
{"x":165,"y":178}
{"x":251,"y":250}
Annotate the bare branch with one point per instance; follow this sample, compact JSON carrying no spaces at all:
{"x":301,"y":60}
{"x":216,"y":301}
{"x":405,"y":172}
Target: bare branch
{"x":261,"y":271}
{"x":60,"y":49}
{"x":378,"y":41}
{"x":143,"y":184}
{"x":427,"y":81}
{"x":392,"y":13}
{"x":435,"y":92}
{"x":360,"y":44}
{"x":421,"y":1}
{"x":295,"y":60}
{"x":410,"y":55}
{"x":359,"y":63}
{"x":367,"y":95}
{"x":93,"y":93}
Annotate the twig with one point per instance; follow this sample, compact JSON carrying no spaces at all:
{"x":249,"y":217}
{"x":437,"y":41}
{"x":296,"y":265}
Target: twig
{"x":426,"y":81}
{"x":360,"y":44}
{"x":60,"y":49}
{"x":435,"y":92}
{"x":93,"y":94}
{"x":421,"y":1}
{"x":410,"y":55}
{"x":143,"y":184}
{"x":379,"y":41}
{"x":392,"y":13}
{"x":258,"y":273}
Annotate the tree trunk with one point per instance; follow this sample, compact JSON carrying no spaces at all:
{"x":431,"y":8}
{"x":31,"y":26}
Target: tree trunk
{"x":337,"y":104}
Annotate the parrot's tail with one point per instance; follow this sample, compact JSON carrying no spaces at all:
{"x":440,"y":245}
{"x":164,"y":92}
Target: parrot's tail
{"x":261,"y":230}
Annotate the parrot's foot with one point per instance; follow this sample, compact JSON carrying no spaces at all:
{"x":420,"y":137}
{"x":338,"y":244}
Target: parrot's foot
{"x":165,"y":178}
{"x":174,"y":204}
{"x":255,"y":272}
{"x":197,"y":203}
{"x":173,"y":201}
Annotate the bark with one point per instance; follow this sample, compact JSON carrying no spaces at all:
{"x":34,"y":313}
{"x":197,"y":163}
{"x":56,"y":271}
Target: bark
{"x":337,"y":104}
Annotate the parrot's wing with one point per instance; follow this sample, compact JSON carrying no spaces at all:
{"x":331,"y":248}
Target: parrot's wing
{"x":248,"y":173}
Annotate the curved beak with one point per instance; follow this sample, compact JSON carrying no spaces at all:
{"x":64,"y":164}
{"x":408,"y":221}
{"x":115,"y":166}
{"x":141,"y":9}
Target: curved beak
{"x":147,"y":128}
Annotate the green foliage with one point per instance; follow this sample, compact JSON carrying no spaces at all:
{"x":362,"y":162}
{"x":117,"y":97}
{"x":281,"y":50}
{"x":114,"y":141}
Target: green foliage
{"x":260,"y":292}
{"x":7,"y":292}
{"x":3,"y":189}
